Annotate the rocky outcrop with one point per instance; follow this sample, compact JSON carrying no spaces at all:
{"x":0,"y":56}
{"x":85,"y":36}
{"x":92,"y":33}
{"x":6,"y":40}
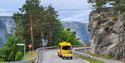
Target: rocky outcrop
{"x":107,"y":32}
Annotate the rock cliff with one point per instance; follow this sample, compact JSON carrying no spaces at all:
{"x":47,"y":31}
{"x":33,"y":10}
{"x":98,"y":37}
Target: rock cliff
{"x":107,"y":32}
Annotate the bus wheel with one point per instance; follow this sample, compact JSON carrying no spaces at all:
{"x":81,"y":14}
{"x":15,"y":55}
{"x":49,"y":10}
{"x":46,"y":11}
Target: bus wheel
{"x":71,"y":58}
{"x":59,"y":55}
{"x":63,"y":57}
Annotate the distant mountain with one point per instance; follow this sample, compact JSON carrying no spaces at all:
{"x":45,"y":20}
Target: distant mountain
{"x":81,"y":30}
{"x":6,"y":28}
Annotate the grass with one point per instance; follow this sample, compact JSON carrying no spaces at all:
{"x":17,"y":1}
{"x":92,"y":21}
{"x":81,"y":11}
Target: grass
{"x":89,"y":59}
{"x":1,"y":60}
{"x":29,"y":55}
{"x":102,"y":56}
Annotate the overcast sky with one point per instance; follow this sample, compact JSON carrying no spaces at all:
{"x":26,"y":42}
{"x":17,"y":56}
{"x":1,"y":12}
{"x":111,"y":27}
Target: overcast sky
{"x":60,"y":5}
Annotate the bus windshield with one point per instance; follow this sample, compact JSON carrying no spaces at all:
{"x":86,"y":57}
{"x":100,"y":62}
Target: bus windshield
{"x":66,"y":47}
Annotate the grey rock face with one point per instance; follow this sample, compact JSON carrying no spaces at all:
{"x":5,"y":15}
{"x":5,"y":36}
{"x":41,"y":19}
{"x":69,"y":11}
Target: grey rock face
{"x":107,"y":32}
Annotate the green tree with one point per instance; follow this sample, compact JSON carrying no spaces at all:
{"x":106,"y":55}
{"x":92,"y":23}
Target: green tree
{"x":53,"y":26}
{"x":118,"y":5}
{"x":45,"y":23}
{"x":69,"y":36}
{"x":8,"y":52}
{"x":32,"y":9}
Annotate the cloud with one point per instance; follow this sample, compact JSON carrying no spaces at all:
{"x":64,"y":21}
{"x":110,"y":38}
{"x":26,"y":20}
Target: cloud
{"x":13,"y":5}
{"x":6,"y":14}
{"x":8,"y":7}
{"x":2,"y":13}
{"x":77,"y":17}
{"x":81,"y":16}
{"x":66,"y":4}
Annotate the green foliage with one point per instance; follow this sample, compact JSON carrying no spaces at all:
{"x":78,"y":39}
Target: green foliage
{"x":19,"y":56}
{"x":1,"y":60}
{"x":76,"y":42}
{"x":8,"y":52}
{"x":118,"y":5}
{"x":109,"y":56}
{"x":45,"y":23}
{"x":89,"y":59}
{"x":99,"y":3}
{"x":69,"y":36}
{"x":29,"y":55}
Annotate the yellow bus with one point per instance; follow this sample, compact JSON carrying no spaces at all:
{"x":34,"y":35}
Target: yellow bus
{"x":65,"y":50}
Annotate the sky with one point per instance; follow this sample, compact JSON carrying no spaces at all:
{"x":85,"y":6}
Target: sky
{"x":61,"y":6}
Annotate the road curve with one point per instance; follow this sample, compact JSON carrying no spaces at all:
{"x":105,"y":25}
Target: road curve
{"x":50,"y":56}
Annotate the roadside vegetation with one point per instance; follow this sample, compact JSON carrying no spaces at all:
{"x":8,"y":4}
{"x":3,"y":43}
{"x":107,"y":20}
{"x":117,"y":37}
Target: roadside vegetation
{"x":89,"y":59}
{"x":69,"y":36}
{"x":10,"y":52}
{"x":102,"y":56}
{"x":29,"y":55}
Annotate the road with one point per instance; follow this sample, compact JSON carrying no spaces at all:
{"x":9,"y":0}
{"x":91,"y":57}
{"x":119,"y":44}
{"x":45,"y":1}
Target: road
{"x":50,"y":56}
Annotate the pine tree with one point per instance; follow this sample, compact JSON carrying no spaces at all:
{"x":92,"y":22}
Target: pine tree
{"x":45,"y":23}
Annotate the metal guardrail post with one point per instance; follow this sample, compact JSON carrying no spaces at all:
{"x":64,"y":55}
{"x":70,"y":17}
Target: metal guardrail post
{"x":37,"y":58}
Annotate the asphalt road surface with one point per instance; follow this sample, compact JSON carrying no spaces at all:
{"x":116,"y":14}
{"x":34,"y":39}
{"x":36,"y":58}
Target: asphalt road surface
{"x":50,"y":56}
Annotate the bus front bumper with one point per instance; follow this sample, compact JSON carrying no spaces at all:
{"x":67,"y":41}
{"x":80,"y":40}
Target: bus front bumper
{"x":67,"y":55}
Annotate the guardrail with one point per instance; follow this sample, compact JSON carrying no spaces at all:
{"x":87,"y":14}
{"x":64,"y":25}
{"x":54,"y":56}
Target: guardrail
{"x":54,"y":47}
{"x":50,"y":47}
{"x":78,"y":51}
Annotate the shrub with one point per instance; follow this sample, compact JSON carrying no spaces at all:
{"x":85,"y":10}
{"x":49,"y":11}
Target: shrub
{"x":76,"y":42}
{"x":19,"y":56}
{"x":1,"y":60}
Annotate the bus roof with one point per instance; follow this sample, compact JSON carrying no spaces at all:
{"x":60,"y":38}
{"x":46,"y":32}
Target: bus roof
{"x":65,"y":44}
